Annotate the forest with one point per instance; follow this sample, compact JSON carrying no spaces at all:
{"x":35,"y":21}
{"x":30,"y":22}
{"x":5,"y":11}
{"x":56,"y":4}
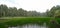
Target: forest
{"x":6,"y":11}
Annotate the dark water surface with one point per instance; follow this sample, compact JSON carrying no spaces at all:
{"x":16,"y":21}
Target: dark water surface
{"x":31,"y":26}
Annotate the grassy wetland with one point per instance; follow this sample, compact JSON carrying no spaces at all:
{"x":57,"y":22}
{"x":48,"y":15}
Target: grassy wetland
{"x":27,"y":20}
{"x":13,"y":17}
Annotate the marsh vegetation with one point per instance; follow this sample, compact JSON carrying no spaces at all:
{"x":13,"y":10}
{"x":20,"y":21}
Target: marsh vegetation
{"x":11,"y":17}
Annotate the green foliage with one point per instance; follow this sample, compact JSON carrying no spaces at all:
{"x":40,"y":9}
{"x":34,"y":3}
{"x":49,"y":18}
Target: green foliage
{"x":54,"y":12}
{"x":14,"y":12}
{"x":3,"y":10}
{"x":2,"y":25}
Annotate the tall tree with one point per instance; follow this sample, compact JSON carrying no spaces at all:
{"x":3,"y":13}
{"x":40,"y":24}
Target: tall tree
{"x":3,"y":9}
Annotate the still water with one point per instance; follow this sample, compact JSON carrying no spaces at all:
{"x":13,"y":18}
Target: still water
{"x":30,"y":26}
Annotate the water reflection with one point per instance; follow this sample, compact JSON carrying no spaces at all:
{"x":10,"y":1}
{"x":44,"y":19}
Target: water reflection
{"x":31,"y":26}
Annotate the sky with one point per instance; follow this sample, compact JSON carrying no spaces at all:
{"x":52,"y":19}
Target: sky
{"x":31,"y":5}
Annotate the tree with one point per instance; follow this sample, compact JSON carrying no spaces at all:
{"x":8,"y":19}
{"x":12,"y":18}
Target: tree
{"x":47,"y":13}
{"x":33,"y":13}
{"x":12,"y":11}
{"x":3,"y":9}
{"x":22,"y":12}
{"x":57,"y":13}
{"x":54,"y":11}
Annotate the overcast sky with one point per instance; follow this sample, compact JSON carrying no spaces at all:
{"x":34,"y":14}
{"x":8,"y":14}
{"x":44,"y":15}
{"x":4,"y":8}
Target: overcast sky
{"x":38,"y":5}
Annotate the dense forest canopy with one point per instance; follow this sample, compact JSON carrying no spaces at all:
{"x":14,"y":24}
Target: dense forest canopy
{"x":6,"y":11}
{"x":13,"y":11}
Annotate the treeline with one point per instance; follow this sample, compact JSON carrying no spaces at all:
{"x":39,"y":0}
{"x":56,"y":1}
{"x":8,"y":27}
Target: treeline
{"x":13,"y":12}
{"x":54,"y":11}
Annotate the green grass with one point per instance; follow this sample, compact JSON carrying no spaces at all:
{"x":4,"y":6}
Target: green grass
{"x":22,"y":21}
{"x":14,"y":21}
